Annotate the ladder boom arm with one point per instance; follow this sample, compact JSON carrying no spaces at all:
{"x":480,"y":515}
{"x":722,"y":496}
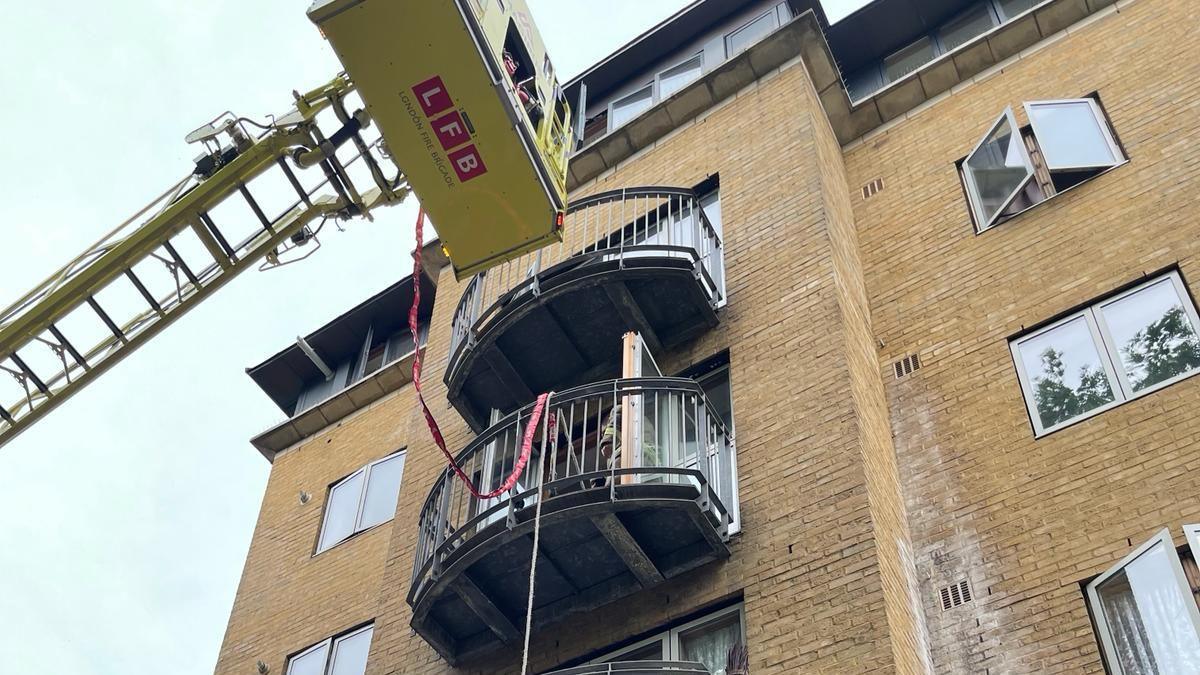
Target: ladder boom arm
{"x":35,"y":325}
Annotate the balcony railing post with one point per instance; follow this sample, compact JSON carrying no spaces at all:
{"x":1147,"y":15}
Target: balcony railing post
{"x":443,"y":525}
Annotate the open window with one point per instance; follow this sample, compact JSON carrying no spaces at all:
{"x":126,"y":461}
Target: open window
{"x":1014,"y":168}
{"x":1145,"y":616}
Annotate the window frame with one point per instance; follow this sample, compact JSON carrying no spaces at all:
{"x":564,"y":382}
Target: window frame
{"x":658,"y":77}
{"x":669,"y":637}
{"x":1106,"y":347}
{"x":329,"y":644}
{"x":1103,"y":633}
{"x":968,"y":179}
{"x":360,"y":504}
{"x":725,"y":42}
{"x":612,"y":107}
{"x":1101,"y":120}
{"x":735,"y":509}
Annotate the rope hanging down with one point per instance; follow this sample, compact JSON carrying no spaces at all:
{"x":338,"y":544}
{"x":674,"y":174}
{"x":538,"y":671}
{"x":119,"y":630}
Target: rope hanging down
{"x":534,"y":417}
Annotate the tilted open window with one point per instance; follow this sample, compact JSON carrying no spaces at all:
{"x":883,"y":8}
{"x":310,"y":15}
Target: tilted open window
{"x":1146,"y":617}
{"x":1014,"y":168}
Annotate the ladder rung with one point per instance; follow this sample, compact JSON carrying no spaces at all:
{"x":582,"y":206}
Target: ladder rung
{"x":212,"y":227}
{"x":62,"y":339}
{"x":107,"y":321}
{"x":287,"y":171}
{"x":182,"y":265}
{"x":262,"y":217}
{"x":137,"y":283}
{"x":37,"y":381}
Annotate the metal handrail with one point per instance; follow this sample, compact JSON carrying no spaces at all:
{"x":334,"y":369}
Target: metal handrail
{"x":643,"y":431}
{"x":637,"y":668}
{"x":618,"y":225}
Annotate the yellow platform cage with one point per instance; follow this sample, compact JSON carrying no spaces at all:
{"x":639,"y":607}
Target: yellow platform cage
{"x":466,"y":99}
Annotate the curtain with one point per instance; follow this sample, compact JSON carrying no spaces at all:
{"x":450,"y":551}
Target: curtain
{"x":710,"y":646}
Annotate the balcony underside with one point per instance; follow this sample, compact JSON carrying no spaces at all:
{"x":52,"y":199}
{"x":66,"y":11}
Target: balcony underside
{"x":569,"y":332}
{"x":597,"y":544}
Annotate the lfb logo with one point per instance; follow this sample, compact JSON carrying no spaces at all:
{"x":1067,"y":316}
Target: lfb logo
{"x":450,"y":129}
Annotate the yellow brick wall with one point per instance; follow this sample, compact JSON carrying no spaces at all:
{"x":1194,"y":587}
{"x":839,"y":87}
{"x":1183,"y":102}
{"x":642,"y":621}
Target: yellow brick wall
{"x":1026,"y":520}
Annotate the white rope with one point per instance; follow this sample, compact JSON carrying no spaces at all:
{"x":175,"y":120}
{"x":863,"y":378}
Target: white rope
{"x":537,"y":531}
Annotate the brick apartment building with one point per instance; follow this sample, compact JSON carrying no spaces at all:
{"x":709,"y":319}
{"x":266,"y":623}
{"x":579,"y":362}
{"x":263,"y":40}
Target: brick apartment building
{"x":870,"y":345}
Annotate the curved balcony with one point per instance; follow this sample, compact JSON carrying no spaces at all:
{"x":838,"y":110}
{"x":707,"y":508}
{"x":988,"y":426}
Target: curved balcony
{"x":637,"y":259}
{"x":638,"y":668}
{"x":637,"y":481}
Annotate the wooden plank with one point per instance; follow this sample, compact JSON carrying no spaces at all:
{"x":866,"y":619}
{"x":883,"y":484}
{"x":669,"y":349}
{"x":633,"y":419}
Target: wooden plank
{"x":631,"y":552}
{"x":628,"y":308}
{"x":487,"y":610}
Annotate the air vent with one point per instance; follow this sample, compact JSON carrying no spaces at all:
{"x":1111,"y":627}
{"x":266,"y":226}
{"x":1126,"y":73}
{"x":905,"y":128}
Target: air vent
{"x":907,"y":365}
{"x":873,"y":188}
{"x":955,"y":595}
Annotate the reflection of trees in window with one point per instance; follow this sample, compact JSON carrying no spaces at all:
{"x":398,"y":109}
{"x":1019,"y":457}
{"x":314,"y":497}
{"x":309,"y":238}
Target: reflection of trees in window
{"x":1162,"y":350}
{"x":1056,"y":401}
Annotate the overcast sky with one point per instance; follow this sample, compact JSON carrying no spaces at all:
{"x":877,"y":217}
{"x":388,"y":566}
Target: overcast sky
{"x":125,"y":516}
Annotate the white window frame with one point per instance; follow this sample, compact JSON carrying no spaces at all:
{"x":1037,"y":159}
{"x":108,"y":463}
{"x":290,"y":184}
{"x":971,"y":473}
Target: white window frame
{"x":1192,"y":534}
{"x":1101,"y":121}
{"x":976,"y":204}
{"x":322,"y":546}
{"x":1108,"y":349}
{"x":672,"y":649}
{"x":658,"y":96}
{"x":1103,"y":633}
{"x":612,"y":107}
{"x":729,"y":53}
{"x":330,"y":645}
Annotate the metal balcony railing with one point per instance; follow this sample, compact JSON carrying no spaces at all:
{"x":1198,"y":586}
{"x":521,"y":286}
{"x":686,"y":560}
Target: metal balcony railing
{"x":621,"y":225}
{"x":638,"y":668}
{"x":608,"y":436}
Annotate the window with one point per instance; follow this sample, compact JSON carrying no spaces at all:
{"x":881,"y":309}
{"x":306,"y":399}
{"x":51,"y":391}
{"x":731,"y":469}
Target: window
{"x":362,"y":500}
{"x":1013,"y":168}
{"x":997,"y":170}
{"x":1073,"y":135}
{"x":706,"y":640}
{"x":1146,"y":617}
{"x":908,"y":59}
{"x":745,"y":37}
{"x":865,"y":82}
{"x":673,"y":79}
{"x":1118,"y":349}
{"x":630,"y":107}
{"x":344,"y":655}
{"x":975,"y":22}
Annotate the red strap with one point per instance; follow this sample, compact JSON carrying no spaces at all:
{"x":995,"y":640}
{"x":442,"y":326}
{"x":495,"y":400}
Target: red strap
{"x":534,"y":417}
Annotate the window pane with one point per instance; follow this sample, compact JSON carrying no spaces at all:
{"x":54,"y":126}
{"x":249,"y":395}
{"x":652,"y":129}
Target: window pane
{"x":341,"y":511}
{"x":678,"y":77}
{"x":908,"y":59}
{"x":383,"y":487}
{"x":1012,"y":8}
{"x":710,"y":644}
{"x":1070,"y":135}
{"x":309,"y":663}
{"x":960,"y":31}
{"x":350,"y":654}
{"x":1065,"y":373}
{"x":631,"y":106}
{"x":865,"y":82}
{"x":745,"y":38}
{"x":997,"y":170}
{"x":1153,"y":334}
{"x":1148,"y":618}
